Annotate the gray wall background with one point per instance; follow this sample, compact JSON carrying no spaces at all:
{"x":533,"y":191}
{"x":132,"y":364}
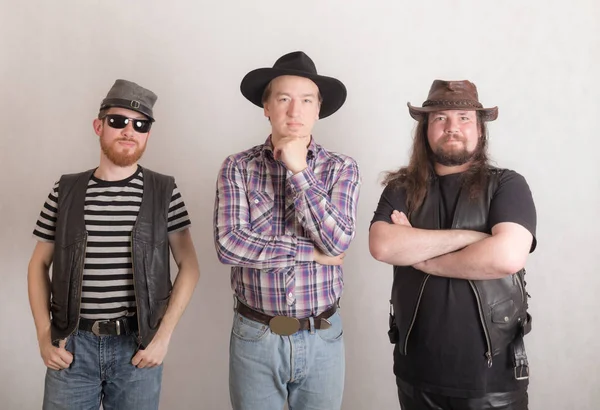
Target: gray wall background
{"x":537,"y":60}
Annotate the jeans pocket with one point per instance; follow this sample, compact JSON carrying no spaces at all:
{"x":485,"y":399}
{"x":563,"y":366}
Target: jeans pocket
{"x":248,"y":330}
{"x":336,"y":330}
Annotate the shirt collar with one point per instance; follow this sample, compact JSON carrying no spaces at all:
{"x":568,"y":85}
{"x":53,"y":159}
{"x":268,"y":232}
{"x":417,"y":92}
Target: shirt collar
{"x":267,"y":148}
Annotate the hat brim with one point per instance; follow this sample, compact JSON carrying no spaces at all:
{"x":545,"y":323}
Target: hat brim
{"x":332,"y":90}
{"x":489,"y":114}
{"x":141,"y":109}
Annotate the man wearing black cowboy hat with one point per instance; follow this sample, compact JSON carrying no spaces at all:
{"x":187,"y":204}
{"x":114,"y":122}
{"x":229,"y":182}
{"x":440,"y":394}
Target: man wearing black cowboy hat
{"x":284,"y":216}
{"x":105,"y":320}
{"x":458,"y":232}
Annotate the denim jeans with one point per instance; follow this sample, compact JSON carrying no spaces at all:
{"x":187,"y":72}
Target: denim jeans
{"x":101,"y":372}
{"x":266,"y":369}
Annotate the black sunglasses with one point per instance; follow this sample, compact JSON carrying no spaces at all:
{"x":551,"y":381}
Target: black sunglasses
{"x":120,"y":121}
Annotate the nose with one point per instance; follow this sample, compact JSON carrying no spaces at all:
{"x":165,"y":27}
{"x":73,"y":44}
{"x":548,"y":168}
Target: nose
{"x":128,"y":131}
{"x":293,"y":108}
{"x":451,"y":125}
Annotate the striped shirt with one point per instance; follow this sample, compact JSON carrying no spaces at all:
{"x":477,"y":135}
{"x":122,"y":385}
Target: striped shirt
{"x":267,"y":223}
{"x":110,"y":211}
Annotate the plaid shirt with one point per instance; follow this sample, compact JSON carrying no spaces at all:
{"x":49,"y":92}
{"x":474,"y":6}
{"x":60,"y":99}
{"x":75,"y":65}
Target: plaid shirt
{"x":268,"y":221}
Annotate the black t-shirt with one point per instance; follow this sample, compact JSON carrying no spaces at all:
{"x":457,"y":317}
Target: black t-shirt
{"x":446,"y":347}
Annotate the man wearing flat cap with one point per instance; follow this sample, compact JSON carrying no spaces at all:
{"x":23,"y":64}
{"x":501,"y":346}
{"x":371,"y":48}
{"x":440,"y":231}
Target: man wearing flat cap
{"x":105,"y":320}
{"x":458,"y":232}
{"x":285,"y":213}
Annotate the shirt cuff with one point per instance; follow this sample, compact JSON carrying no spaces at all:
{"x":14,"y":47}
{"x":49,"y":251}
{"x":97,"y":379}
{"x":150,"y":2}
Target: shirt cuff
{"x":302,"y":181}
{"x":304,"y":250}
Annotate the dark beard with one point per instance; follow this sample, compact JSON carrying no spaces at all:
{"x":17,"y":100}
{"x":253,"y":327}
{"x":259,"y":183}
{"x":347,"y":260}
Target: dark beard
{"x":453,"y":159}
{"x":121,"y":159}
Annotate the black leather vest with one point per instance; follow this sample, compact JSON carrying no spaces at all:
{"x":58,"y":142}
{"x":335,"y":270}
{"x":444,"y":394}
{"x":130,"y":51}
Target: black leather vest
{"x":502,"y":303}
{"x":150,"y":254}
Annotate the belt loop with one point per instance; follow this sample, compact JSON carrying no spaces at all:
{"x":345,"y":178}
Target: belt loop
{"x":311,"y":321}
{"x":235,"y":302}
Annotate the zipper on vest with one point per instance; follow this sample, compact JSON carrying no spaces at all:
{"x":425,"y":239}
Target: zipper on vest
{"x":85,"y":238}
{"x":415,"y":314}
{"x":488,"y":354}
{"x":523,"y":295}
{"x":137,"y":304}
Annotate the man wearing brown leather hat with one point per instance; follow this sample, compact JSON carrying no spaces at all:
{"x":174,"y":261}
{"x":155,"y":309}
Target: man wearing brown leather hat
{"x":105,"y":320}
{"x":285,"y":214}
{"x":458,"y":232}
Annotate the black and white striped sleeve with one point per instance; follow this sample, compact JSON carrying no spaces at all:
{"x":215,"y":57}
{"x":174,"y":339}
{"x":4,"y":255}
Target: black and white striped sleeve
{"x":45,"y":226}
{"x":178,"y":214}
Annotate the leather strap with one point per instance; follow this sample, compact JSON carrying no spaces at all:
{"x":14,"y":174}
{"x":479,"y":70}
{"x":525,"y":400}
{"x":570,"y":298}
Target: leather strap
{"x":520,"y":362}
{"x":320,"y":321}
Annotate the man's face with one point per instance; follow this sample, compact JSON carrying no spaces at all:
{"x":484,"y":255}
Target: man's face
{"x":293,"y":106}
{"x":124,"y":146}
{"x":453,"y":136}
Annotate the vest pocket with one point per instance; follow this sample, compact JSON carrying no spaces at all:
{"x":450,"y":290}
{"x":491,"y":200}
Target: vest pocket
{"x":62,"y":276}
{"x":158,"y":281}
{"x":504,"y":324}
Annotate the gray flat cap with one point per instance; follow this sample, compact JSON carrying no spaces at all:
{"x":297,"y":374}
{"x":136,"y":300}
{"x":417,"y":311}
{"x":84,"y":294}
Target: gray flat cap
{"x":126,"y":94}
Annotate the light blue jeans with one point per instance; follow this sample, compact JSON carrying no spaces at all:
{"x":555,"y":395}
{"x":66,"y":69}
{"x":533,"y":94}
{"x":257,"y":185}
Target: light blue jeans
{"x":306,"y":368}
{"x":101,"y":371}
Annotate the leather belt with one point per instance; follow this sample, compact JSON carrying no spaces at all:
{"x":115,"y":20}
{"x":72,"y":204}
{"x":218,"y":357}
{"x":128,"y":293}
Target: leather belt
{"x":114,"y":327}
{"x":286,"y":325}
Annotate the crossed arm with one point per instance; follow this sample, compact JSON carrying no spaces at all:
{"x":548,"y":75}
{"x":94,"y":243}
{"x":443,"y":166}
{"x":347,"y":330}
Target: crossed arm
{"x":451,"y":253}
{"x":328,"y":219}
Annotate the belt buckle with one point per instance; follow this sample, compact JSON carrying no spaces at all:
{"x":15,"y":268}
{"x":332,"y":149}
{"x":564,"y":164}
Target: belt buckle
{"x":284,"y":325}
{"x":523,"y":373}
{"x":96,"y":327}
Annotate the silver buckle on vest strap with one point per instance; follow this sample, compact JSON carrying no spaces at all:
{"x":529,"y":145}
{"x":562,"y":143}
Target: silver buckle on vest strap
{"x":522,"y":372}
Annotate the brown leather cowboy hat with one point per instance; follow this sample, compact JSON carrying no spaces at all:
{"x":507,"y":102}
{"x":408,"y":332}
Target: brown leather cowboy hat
{"x":299,"y":64}
{"x":452,"y":95}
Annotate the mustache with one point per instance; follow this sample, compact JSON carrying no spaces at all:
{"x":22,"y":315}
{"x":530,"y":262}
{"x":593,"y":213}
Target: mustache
{"x":129,"y":140}
{"x":453,"y":137}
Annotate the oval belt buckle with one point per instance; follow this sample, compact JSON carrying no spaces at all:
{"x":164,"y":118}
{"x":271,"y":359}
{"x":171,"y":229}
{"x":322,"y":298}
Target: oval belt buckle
{"x":284,"y":325}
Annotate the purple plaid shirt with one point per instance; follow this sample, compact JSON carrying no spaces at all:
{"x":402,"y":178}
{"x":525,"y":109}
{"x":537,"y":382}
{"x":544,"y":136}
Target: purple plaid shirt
{"x":267,"y":222}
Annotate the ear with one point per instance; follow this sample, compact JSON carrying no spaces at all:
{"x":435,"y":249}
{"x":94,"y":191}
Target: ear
{"x":266,"y":110}
{"x":98,"y":124}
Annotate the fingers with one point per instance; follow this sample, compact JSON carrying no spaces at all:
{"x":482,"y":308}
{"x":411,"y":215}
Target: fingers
{"x":65,"y":356}
{"x":137,"y":359}
{"x":58,"y":360}
{"x":142,"y":362}
{"x":399,"y":218}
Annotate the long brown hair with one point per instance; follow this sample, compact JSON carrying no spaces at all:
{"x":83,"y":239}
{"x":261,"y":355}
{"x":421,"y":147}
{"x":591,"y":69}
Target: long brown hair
{"x":420,"y":171}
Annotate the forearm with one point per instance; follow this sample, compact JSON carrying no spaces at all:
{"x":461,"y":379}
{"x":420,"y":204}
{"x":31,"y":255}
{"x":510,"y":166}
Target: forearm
{"x":482,"y":260}
{"x":404,"y":246}
{"x":242,"y":247}
{"x":182,"y":292}
{"x":38,"y":284}
{"x":328,"y":217}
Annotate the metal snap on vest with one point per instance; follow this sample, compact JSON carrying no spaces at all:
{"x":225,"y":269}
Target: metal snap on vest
{"x":506,"y":319}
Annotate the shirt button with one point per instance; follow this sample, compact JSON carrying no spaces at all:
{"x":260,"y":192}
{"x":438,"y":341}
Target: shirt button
{"x":256,"y":201}
{"x":290,"y":295}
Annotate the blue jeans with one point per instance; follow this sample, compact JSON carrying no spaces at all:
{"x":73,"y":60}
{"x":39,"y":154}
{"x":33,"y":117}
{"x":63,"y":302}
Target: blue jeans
{"x":101,"y":371}
{"x":306,"y":368}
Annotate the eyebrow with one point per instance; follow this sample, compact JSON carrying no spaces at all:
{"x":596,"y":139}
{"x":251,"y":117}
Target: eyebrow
{"x":279,"y":94}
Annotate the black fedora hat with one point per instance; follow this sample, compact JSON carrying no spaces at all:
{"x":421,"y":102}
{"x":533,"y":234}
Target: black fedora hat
{"x":299,"y":64}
